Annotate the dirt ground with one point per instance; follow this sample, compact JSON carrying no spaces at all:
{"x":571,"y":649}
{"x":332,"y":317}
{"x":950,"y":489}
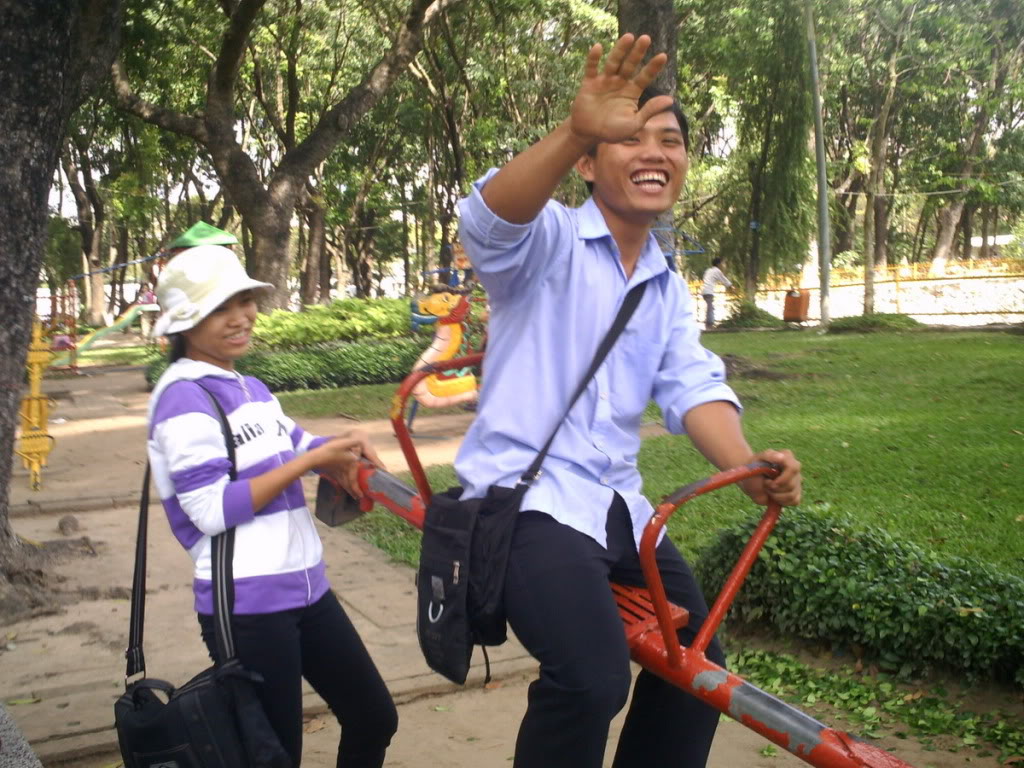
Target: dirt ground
{"x":100,"y":429}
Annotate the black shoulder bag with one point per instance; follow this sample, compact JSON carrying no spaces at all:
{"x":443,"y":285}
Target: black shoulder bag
{"x":215,"y":720}
{"x":464,"y":555}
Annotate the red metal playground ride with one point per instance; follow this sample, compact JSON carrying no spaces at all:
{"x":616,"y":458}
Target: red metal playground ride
{"x":649,"y":620}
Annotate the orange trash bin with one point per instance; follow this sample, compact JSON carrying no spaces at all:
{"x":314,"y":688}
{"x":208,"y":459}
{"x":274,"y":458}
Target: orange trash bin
{"x":796,"y":306}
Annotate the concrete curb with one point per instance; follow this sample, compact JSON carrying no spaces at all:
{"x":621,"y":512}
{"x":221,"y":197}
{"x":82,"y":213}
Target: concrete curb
{"x":64,"y":506}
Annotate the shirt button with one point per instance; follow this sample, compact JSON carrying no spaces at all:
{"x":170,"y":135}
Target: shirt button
{"x":604,"y":395}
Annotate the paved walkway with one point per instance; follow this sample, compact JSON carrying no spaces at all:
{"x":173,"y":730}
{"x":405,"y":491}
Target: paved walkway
{"x":66,"y":670}
{"x":60,"y":674}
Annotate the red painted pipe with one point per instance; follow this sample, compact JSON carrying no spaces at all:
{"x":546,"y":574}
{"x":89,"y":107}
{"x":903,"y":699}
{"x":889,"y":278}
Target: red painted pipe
{"x":661,"y":652}
{"x":649,"y":564}
{"x":398,"y":414}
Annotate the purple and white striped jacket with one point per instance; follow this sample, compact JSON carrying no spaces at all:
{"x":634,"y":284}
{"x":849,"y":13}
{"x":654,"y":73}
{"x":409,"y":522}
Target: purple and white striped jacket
{"x":278,"y":562}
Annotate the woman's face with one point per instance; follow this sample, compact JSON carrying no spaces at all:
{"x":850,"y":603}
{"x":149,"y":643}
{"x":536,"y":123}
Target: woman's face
{"x":224,"y":335}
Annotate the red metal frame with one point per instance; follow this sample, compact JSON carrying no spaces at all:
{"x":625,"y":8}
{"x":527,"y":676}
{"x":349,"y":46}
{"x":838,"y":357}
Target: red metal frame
{"x":651,"y":622}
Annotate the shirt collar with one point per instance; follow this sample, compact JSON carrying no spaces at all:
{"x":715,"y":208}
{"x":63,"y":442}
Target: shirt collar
{"x":592,"y":226}
{"x":591,"y":221}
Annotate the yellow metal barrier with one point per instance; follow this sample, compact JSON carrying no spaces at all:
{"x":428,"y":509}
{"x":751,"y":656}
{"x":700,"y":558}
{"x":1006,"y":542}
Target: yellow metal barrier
{"x":35,"y":442}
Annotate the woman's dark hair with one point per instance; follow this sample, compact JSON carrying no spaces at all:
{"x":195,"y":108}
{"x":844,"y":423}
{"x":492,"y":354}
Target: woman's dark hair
{"x":649,"y":93}
{"x":176,"y":348}
{"x":716,"y":262}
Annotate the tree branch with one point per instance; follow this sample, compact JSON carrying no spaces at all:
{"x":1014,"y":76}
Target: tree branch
{"x":96,"y":38}
{"x":269,"y":109}
{"x":340,"y":119}
{"x":221,"y":90}
{"x":168,"y":119}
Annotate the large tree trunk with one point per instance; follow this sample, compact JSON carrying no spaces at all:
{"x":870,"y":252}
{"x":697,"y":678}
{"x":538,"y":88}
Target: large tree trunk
{"x":657,"y":19}
{"x":967,"y":230}
{"x":949,"y":218}
{"x":875,"y":211}
{"x":846,"y":224}
{"x":91,"y":220}
{"x":51,"y":50}
{"x":882,"y":208}
{"x":869,"y":251}
{"x":406,"y":265}
{"x":270,"y":258}
{"x":986,"y":220}
{"x":118,"y":303}
{"x":312,"y":275}
{"x":326,"y":270}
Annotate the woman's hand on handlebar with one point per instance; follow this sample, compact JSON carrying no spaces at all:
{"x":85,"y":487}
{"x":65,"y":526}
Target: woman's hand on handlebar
{"x":338,"y":459}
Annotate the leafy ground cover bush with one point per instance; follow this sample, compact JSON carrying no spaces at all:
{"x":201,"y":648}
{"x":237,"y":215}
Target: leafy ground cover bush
{"x":342,"y":320}
{"x":875,"y":704}
{"x":748,"y":315}
{"x":821,"y":578}
{"x":874,"y":323}
{"x":339,"y":365}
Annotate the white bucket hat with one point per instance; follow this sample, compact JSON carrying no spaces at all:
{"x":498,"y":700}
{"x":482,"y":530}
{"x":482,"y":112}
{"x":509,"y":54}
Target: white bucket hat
{"x":196,"y":282}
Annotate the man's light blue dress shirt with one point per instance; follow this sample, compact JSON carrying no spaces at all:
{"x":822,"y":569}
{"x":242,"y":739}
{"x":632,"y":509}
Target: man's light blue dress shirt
{"x":554,"y":287}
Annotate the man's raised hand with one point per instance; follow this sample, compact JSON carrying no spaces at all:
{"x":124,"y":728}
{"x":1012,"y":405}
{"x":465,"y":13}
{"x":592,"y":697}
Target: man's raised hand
{"x":605,"y":108}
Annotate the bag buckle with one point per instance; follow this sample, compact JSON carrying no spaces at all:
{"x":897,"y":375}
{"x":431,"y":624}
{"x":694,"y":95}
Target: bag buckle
{"x":528,"y":478}
{"x":128,"y":681}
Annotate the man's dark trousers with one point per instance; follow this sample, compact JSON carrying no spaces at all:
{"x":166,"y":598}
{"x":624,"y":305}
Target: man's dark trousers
{"x":561,"y":608}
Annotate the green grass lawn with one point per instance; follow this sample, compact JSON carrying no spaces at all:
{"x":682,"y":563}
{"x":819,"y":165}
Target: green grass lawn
{"x":920,"y":433}
{"x":118,"y":356}
{"x":363,"y":402}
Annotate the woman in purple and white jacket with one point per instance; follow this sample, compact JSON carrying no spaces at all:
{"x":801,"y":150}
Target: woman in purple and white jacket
{"x":288,"y":624}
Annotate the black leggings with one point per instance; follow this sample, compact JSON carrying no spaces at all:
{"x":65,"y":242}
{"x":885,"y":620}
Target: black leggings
{"x":320,"y":644}
{"x":562,"y":610}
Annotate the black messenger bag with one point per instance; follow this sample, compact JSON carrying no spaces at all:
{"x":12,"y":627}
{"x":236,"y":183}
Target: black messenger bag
{"x":215,"y":720}
{"x":460,"y":583}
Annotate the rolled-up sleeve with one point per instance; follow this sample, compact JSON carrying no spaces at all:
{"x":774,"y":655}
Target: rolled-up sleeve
{"x":510,"y":257}
{"x":689,"y":375}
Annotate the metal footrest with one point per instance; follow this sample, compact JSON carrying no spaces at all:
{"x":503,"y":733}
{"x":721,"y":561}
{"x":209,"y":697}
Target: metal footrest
{"x":637,"y":612}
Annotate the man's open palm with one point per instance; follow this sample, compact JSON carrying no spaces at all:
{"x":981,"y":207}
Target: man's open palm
{"x":605,"y":108}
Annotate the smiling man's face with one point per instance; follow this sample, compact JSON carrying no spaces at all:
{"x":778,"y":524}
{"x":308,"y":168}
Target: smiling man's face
{"x":641,"y":177}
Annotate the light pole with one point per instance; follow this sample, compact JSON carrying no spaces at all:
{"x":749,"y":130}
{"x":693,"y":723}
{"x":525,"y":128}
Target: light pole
{"x":824,"y":248}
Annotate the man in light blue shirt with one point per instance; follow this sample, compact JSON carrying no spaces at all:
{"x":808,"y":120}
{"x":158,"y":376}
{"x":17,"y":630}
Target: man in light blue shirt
{"x":556,"y":277}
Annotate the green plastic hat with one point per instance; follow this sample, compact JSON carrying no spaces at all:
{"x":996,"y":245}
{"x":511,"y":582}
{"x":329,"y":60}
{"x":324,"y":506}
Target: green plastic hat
{"x":202,"y":233}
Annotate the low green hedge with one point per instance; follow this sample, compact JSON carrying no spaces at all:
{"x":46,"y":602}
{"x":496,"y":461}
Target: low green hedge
{"x":749,"y":315}
{"x":876,"y":322}
{"x":821,"y":579}
{"x":322,"y":367}
{"x":342,"y":320}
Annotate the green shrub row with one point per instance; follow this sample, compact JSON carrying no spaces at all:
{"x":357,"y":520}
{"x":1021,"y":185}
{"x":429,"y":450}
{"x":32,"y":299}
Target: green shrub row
{"x":821,"y":579}
{"x":342,"y":320}
{"x":748,"y":315}
{"x":322,"y":367}
{"x":871,"y":323}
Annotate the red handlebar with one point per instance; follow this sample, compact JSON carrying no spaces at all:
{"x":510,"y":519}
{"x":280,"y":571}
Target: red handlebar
{"x":649,"y":564}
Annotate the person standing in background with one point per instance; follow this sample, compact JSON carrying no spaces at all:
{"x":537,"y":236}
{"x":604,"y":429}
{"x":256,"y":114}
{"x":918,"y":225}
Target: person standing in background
{"x":713,"y":276}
